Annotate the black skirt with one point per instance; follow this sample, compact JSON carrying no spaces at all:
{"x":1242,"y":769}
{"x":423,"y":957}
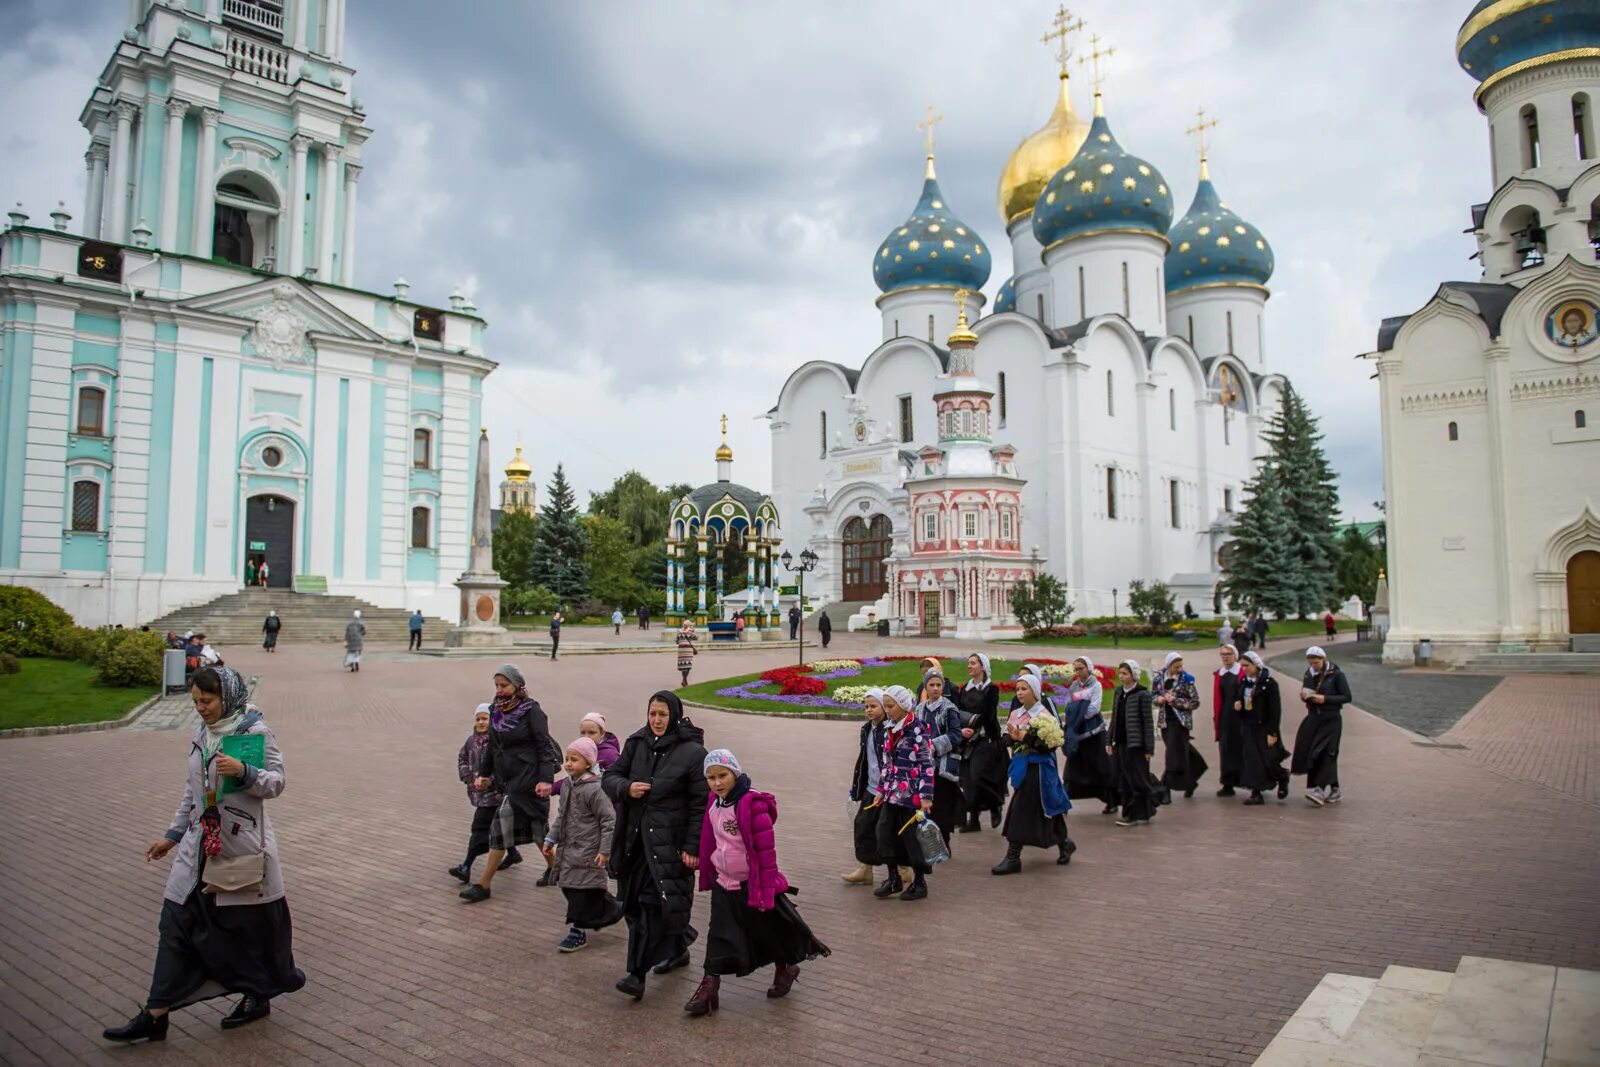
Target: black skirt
{"x":1262,"y":766}
{"x":948,"y":806}
{"x":208,"y":951}
{"x":1090,"y":775}
{"x":1026,"y":823}
{"x":591,"y":909}
{"x":983,"y":775}
{"x":1184,"y":764}
{"x":866,"y":833}
{"x":892,"y":844}
{"x":741,"y":939}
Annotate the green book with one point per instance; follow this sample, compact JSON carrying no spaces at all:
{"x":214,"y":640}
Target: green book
{"x":246,"y":748}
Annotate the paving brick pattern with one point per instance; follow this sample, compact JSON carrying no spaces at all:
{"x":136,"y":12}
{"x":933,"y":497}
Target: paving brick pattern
{"x":1538,"y":729}
{"x":1187,"y":942}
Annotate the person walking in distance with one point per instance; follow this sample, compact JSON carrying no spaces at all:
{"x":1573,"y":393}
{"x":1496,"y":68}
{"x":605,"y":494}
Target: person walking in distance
{"x":415,"y":626}
{"x":1324,"y":691}
{"x":686,"y":650}
{"x":794,"y":622}
{"x":261,"y":574}
{"x":269,"y":631}
{"x":555,"y":632}
{"x":355,"y":639}
{"x":616,"y":621}
{"x":825,"y":629}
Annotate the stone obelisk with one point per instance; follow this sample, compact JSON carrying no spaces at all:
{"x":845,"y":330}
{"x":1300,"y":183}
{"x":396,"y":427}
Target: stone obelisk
{"x":480,"y":586}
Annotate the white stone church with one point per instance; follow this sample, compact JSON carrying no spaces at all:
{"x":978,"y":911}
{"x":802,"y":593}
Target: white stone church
{"x":188,"y":380}
{"x":1491,"y":391}
{"x":1127,"y":359}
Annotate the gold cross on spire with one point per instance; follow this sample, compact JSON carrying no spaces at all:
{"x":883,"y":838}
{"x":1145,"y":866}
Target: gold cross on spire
{"x":724,"y":429}
{"x":1198,"y":131}
{"x":926,"y":126}
{"x":1096,"y":78}
{"x":1063,"y":26}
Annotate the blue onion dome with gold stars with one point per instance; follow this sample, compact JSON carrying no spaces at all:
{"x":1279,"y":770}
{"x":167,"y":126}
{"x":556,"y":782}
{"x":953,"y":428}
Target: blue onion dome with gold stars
{"x":1501,"y":37}
{"x":1211,"y":245}
{"x":1006,"y":298}
{"x":1103,"y":190}
{"x":932,"y":247}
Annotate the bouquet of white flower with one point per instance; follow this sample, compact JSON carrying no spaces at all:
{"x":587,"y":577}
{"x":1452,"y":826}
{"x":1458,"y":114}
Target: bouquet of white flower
{"x":1044,"y":734}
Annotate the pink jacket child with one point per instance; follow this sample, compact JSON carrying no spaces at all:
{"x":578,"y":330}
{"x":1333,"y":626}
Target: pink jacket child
{"x":754,"y":813}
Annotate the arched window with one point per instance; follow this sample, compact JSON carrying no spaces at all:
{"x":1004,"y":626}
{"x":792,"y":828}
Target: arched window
{"x":92,"y":411}
{"x":421,"y":448}
{"x":245,"y":221}
{"x":824,"y":415}
{"x":1580,"y":419}
{"x":1111,"y":492}
{"x":1582,"y":126}
{"x":1528,"y":235}
{"x":1230,"y":332}
{"x":421,"y":527}
{"x":1172,"y":409}
{"x":1453,"y":432}
{"x":1530,"y":137}
{"x":1111,"y":396}
{"x":86,"y":506}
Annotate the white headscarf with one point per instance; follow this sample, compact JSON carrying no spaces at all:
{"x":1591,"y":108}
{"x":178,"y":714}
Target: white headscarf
{"x":1316,"y":650}
{"x":988,"y":675}
{"x":1133,"y":666}
{"x":1255,"y":657}
{"x":874,"y":691}
{"x":1032,"y":682}
{"x":1172,"y":657}
{"x":901,"y":696}
{"x":481,"y":709}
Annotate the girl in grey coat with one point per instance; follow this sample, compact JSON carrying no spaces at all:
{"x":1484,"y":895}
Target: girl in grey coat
{"x":582,"y":831}
{"x":214,"y":942}
{"x":355,"y":638}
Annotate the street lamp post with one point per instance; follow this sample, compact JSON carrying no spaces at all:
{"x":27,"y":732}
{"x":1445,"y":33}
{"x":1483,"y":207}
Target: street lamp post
{"x":808,"y":562}
{"x":1115,"y":621}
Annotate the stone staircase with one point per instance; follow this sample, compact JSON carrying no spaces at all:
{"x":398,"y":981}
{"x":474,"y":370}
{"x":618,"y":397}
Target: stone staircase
{"x":236,"y":619}
{"x":838,"y":613}
{"x":1487,"y":1012}
{"x":1535,"y":663}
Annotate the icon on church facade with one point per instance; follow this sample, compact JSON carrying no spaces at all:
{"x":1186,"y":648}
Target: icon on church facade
{"x":1572,"y":324}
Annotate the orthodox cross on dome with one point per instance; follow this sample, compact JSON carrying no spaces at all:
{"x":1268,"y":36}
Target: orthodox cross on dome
{"x":1096,"y":78}
{"x":926,"y":126}
{"x":1063,"y":25}
{"x":1198,"y":132}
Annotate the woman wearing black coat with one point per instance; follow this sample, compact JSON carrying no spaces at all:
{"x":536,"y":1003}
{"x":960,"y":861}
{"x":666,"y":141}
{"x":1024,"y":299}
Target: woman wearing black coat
{"x":519,"y":762}
{"x":985,"y":770}
{"x":661,"y":796}
{"x":1132,"y":744}
{"x":1260,"y":709}
{"x":1324,"y":691}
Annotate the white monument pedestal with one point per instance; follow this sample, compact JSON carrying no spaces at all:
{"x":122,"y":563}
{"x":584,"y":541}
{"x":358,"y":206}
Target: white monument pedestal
{"x":480,"y":586}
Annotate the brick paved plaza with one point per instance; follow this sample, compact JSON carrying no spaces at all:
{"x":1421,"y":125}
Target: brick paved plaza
{"x":1187,"y":942}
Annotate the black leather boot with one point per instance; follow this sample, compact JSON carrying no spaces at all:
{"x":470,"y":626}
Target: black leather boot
{"x":1065,"y":849}
{"x":248,"y":1010}
{"x":1011,"y":864}
{"x":142,"y":1027}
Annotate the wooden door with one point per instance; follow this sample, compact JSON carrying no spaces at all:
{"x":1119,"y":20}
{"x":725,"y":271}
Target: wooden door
{"x":1583,"y":593}
{"x":930,"y":614}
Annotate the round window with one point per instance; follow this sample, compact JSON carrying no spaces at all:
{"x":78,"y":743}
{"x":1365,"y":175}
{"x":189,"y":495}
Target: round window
{"x":272,"y":456}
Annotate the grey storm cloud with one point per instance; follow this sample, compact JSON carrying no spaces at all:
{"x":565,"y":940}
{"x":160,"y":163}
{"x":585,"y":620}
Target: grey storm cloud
{"x":662,"y":209}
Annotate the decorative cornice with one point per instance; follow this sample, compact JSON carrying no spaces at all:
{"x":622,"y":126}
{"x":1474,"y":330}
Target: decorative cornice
{"x":1554,"y":388}
{"x":1443,"y":400}
{"x":1536,"y":62}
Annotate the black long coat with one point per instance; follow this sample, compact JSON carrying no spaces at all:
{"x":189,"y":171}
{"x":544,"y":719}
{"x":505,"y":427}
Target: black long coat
{"x":1323,"y":727}
{"x":1230,"y":735}
{"x":1131,"y":723}
{"x":664,"y":823}
{"x":520,"y":758}
{"x":1263,"y":762}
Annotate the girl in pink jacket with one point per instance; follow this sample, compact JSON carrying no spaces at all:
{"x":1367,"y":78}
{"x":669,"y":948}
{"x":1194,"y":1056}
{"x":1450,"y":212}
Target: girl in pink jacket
{"x":753,"y":922}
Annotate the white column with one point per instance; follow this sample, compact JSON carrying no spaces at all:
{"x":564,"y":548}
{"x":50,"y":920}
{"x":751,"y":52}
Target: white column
{"x":96,"y":157}
{"x":328,"y":186}
{"x":205,"y":185}
{"x":1497,"y":359}
{"x":171,"y":157}
{"x":213,"y":10}
{"x":120,"y":148}
{"x":347,"y":247}
{"x":297,"y":204}
{"x":336,"y":29}
{"x":300,"y":7}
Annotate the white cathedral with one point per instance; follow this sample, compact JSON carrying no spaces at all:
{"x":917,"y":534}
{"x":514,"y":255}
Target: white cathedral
{"x":1128,"y":366}
{"x":189,"y":381}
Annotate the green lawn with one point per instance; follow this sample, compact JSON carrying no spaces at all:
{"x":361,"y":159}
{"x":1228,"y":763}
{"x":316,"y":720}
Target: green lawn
{"x":54,"y":692}
{"x":899,"y":672}
{"x":1206,"y":629}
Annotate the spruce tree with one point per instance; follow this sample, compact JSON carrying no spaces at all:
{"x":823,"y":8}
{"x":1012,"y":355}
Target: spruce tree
{"x":560,"y":544}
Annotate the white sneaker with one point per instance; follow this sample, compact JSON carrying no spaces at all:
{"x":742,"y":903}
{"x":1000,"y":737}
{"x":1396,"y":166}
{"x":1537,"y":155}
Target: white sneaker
{"x":1316,"y":796}
{"x":1334,"y":795}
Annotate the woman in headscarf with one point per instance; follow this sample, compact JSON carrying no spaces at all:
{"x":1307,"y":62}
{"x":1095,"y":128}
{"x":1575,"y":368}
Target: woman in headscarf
{"x":1090,"y":775}
{"x":269,"y":631}
{"x":1177,"y":697}
{"x":983,"y":773}
{"x":905,"y":783}
{"x":1260,"y":711}
{"x":1039,"y":804}
{"x":355,"y":638}
{"x":864,"y":790}
{"x":686,"y":650}
{"x":1132,"y":746}
{"x":929,"y":663}
{"x":950,"y":737}
{"x":223,"y":933}
{"x":661,"y":792}
{"x":1033,"y":669}
{"x":1325,"y":692}
{"x":519,"y":762}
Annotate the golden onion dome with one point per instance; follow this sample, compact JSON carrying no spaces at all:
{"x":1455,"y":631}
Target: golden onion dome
{"x":1041,"y":153}
{"x":518,"y":470}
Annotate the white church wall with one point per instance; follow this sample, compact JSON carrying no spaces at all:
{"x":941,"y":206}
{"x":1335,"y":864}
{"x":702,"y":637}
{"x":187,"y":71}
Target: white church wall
{"x":799,"y":455}
{"x":1221,"y":320}
{"x":1549,"y":91}
{"x":890,"y":373}
{"x":908,"y":313}
{"x":1113,"y":273}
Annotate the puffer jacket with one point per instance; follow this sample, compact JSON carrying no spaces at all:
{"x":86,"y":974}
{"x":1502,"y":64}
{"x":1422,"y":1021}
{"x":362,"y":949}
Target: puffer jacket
{"x":584,"y":825}
{"x":467,"y":762}
{"x":756,"y":814}
{"x":521,"y":756}
{"x":666,"y":822}
{"x":1131,"y":720}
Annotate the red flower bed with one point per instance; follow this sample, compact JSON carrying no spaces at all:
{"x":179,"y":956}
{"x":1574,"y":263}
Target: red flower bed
{"x":793,"y":681}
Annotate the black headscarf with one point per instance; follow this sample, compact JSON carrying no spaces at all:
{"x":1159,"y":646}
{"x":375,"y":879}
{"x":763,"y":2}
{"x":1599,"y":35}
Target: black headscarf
{"x":674,"y":716}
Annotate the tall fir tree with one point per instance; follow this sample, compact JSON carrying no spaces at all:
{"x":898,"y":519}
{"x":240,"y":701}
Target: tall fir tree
{"x":560,"y":544}
{"x":1284,"y":554}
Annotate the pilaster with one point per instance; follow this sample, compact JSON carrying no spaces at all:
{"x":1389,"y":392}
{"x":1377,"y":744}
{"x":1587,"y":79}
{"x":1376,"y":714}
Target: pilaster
{"x":205,"y":184}
{"x":300,"y":144}
{"x":171,"y":157}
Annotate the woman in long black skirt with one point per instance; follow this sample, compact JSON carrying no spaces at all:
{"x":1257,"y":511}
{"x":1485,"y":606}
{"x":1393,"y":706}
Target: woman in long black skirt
{"x":1324,"y":691}
{"x":864,"y":791}
{"x":1090,"y":775}
{"x":1176,"y":700}
{"x":216,"y":940}
{"x":753,"y":922}
{"x":1260,"y":711}
{"x":984,"y":771}
{"x":1132,"y":745}
{"x":1037,"y":815}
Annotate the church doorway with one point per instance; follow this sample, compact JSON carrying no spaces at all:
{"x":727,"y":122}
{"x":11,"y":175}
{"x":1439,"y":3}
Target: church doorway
{"x":930,"y":614}
{"x":269,"y":535}
{"x":1583,"y":593}
{"x":866,"y":546}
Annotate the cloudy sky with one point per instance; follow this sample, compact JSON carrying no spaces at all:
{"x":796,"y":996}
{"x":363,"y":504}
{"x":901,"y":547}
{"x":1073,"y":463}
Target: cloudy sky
{"x":662,"y":209}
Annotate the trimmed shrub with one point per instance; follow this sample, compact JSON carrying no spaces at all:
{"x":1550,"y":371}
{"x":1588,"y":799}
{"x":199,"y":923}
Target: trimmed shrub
{"x":130,"y":657}
{"x":10,"y":664}
{"x":80,"y":643}
{"x":30,"y":625}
